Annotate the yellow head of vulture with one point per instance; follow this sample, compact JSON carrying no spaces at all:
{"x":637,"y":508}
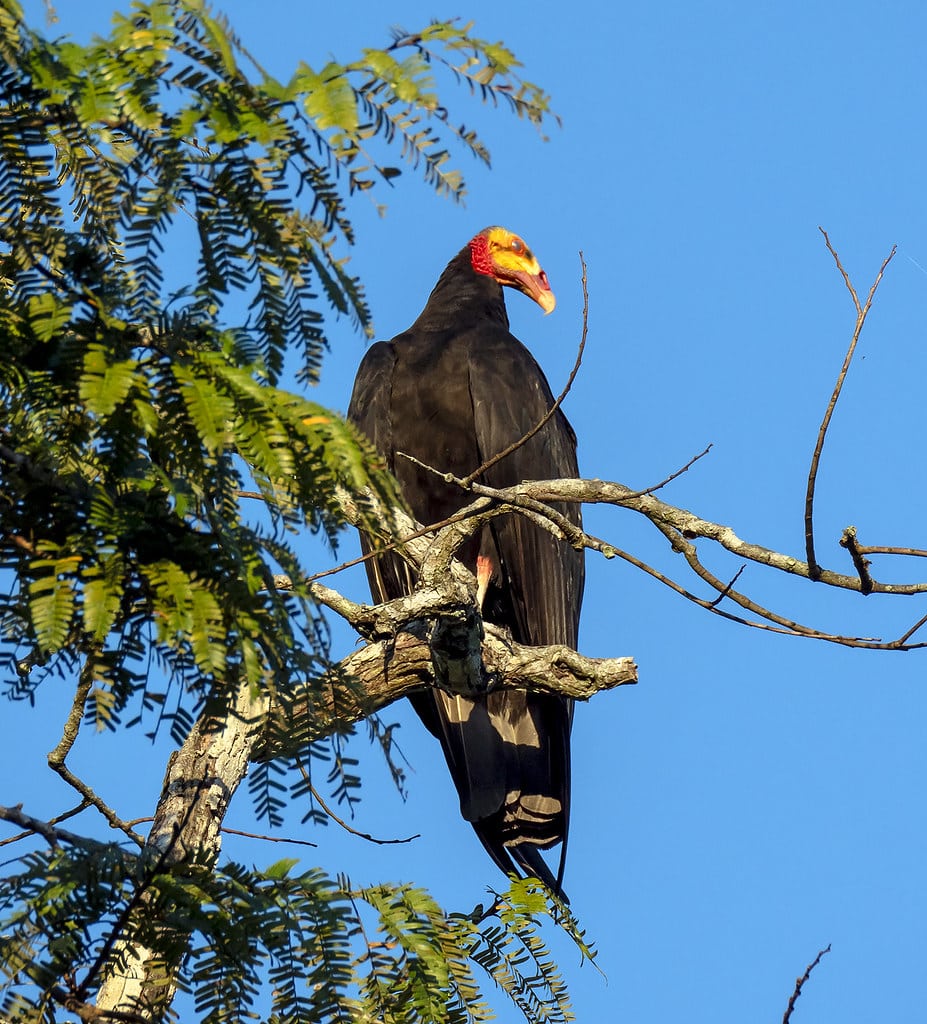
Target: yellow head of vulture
{"x":503,"y":255}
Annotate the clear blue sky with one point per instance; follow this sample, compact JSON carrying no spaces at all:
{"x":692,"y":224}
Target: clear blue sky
{"x":754,"y":797}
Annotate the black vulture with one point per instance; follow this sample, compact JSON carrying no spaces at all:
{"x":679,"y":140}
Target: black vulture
{"x":452,"y":391}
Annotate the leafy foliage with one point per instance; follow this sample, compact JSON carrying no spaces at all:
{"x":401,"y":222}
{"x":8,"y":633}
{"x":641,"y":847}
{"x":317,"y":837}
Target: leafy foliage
{"x":312,"y":949}
{"x":131,"y":419}
{"x":154,"y":474}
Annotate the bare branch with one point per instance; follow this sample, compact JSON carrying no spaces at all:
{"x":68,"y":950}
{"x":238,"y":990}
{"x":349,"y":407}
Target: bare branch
{"x":58,"y":756}
{"x":267,"y":839}
{"x":861,"y":313}
{"x":316,"y":795}
{"x":681,"y":528}
{"x":678,"y":473}
{"x":46,"y":829}
{"x":36,"y":827}
{"x":878,"y":549}
{"x":848,"y":541}
{"x":799,"y":983}
{"x":686,"y":523}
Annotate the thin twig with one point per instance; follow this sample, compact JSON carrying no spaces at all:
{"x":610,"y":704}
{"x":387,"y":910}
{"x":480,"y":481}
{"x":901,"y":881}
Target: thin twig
{"x":57,"y":756}
{"x":861,"y":313}
{"x":673,"y":476}
{"x":340,"y":821}
{"x":499,"y":456}
{"x":879,"y":549}
{"x":799,"y":982}
{"x":729,"y":587}
{"x":268,"y":839}
{"x":902,"y":640}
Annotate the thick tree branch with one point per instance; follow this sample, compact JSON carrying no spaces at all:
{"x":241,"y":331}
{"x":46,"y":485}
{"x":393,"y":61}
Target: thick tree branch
{"x":199,"y":784}
{"x":384,"y":671}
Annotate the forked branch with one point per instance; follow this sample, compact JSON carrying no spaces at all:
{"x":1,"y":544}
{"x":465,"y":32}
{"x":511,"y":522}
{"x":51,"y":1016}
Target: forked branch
{"x":862,"y":311}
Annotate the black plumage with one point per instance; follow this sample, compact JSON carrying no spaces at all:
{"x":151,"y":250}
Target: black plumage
{"x":453,"y":390}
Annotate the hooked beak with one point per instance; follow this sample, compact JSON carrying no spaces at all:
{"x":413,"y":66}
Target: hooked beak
{"x":537,"y":287}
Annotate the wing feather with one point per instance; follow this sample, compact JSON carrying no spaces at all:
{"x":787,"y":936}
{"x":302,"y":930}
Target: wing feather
{"x":508,"y":753}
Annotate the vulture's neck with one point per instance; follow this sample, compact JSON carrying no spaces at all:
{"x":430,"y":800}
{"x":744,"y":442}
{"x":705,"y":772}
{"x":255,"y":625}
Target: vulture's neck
{"x":462,"y":298}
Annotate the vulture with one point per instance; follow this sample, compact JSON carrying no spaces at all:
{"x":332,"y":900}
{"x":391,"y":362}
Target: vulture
{"x":452,"y":391}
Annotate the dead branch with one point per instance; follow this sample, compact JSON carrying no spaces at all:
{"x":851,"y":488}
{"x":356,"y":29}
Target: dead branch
{"x":673,"y":476}
{"x":680,"y":527}
{"x":862,"y":311}
{"x":317,"y":796}
{"x":878,"y":549}
{"x":848,"y":541}
{"x":907,"y":636}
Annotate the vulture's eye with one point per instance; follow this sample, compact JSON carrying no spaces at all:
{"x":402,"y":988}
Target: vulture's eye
{"x":517,"y":245}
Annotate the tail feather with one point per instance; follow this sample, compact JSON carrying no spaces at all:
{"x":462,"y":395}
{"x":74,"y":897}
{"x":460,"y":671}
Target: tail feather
{"x":509,"y":757}
{"x":531,"y":862}
{"x":523,"y":859}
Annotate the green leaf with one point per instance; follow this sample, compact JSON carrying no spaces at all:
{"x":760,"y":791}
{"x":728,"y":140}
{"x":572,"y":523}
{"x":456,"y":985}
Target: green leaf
{"x":48,"y":314}
{"x":329,"y":99}
{"x":105,"y":385}
{"x":53,"y":598}
{"x":210,"y":410}
{"x":281,"y":868}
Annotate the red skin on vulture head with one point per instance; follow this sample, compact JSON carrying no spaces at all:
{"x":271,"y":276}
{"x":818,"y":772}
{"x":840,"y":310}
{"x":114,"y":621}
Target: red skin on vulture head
{"x":503,"y":255}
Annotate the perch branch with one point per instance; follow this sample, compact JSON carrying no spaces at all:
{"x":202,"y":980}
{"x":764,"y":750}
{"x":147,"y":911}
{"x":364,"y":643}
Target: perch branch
{"x":681,"y":528}
{"x":382,"y":672}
